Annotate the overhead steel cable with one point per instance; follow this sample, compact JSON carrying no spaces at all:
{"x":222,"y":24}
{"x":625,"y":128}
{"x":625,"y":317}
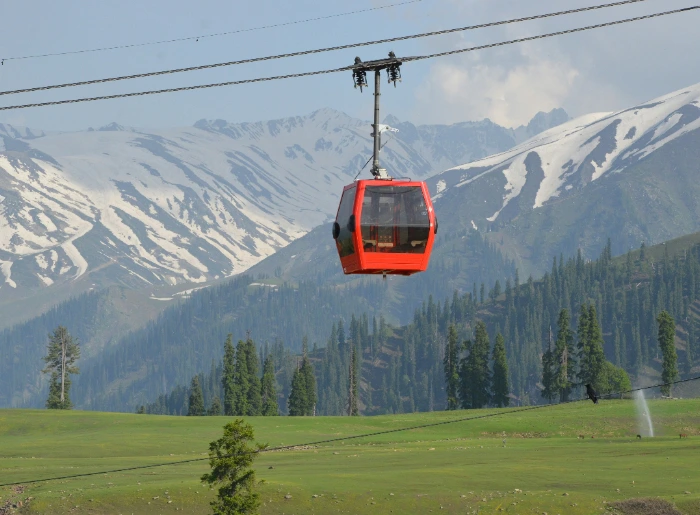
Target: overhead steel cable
{"x":345,"y":68}
{"x":551,"y":34}
{"x":217,"y":34}
{"x":355,"y":437}
{"x":320,"y":50}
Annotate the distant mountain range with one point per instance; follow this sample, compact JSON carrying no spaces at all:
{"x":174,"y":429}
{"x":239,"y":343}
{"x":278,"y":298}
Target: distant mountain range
{"x":137,"y":208}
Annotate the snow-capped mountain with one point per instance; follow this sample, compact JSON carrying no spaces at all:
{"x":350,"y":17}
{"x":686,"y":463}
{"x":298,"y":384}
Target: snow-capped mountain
{"x":548,"y":194}
{"x":574,"y":154}
{"x":135,"y":207}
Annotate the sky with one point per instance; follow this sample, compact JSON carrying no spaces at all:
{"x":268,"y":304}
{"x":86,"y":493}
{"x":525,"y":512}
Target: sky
{"x":600,"y":70}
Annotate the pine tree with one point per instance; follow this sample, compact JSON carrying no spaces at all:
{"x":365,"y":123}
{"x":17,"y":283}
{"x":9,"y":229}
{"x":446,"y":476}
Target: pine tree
{"x":63,"y":352}
{"x":307,"y":370}
{"x":549,"y":386}
{"x":268,"y":393}
{"x":241,"y":381}
{"x":215,"y":408}
{"x":667,"y":337}
{"x":297,"y":397}
{"x":500,"y":386}
{"x":254,"y":400}
{"x":196,"y":407}
{"x":54,"y":399}
{"x":582,"y":333}
{"x":341,"y":336}
{"x":451,"y":366}
{"x":475,"y":376}
{"x":483,"y":378}
{"x":497,"y":290}
{"x":466,"y":383}
{"x":228,"y":382}
{"x":591,"y":347}
{"x":689,"y":348}
{"x":353,"y":409}
{"x":231,"y":459}
{"x":564,"y":357}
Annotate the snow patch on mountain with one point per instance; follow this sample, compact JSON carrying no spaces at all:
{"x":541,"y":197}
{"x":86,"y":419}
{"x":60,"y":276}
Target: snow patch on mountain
{"x":583,"y":150}
{"x":6,"y":269}
{"x":515,"y":175}
{"x":76,"y":258}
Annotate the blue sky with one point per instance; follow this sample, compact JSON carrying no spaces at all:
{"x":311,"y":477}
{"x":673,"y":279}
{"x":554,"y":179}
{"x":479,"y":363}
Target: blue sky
{"x":600,"y":70}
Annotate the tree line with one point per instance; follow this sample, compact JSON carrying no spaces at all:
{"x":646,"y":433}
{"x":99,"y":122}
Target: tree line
{"x":237,"y":387}
{"x":568,"y":365}
{"x":186,"y":337}
{"x":616,"y":305}
{"x":470,"y":382}
{"x":368,"y":366}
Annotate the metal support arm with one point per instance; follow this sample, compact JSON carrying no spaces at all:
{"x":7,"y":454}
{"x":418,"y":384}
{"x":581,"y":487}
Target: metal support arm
{"x":359,"y":71}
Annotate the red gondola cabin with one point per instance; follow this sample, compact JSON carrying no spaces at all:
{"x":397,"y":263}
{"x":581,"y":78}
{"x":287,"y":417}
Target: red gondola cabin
{"x":385,"y":227}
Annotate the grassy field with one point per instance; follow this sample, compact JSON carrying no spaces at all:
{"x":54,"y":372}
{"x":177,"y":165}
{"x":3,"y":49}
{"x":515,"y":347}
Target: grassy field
{"x":454,"y":468}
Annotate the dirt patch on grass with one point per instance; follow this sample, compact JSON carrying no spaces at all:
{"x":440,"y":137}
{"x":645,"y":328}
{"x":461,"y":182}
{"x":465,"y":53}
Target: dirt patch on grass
{"x":15,"y":501}
{"x":645,"y":507}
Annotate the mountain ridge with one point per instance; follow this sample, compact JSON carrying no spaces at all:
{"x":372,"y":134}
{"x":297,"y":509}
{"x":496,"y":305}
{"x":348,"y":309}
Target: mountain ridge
{"x":140,"y":208}
{"x":577,"y":184}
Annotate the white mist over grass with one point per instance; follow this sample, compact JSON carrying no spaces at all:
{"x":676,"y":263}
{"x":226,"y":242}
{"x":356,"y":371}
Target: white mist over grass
{"x":646,"y":428}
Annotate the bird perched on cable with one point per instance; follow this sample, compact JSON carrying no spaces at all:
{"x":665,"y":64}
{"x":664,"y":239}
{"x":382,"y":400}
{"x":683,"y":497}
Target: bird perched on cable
{"x":591,"y":394}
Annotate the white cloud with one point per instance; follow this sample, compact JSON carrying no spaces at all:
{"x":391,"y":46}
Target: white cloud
{"x":598,"y":70}
{"x":508,"y":94}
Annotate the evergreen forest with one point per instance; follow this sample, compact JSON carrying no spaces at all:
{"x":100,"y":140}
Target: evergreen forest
{"x":511,"y":328}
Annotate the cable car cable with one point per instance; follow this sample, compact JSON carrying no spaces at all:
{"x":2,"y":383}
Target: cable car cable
{"x":370,"y":158}
{"x":196,"y":38}
{"x":346,"y":68}
{"x":316,"y":51}
{"x":362,"y":169}
{"x":354,"y":437}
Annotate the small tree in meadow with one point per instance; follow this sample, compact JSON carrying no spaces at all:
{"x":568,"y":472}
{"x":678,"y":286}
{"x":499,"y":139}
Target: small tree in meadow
{"x":63,"y":352}
{"x":231,"y":459}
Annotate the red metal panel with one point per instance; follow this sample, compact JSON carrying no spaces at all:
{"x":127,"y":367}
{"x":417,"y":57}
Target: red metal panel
{"x":378,"y":262}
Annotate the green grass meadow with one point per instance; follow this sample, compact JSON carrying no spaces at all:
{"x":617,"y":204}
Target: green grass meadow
{"x":453,"y":468}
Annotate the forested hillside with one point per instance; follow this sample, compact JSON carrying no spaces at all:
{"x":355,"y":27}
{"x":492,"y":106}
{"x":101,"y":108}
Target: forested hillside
{"x":186,"y":337}
{"x":97,"y":319}
{"x":196,"y":326}
{"x":459,"y":258}
{"x":627,"y":292}
{"x":402,"y":368}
